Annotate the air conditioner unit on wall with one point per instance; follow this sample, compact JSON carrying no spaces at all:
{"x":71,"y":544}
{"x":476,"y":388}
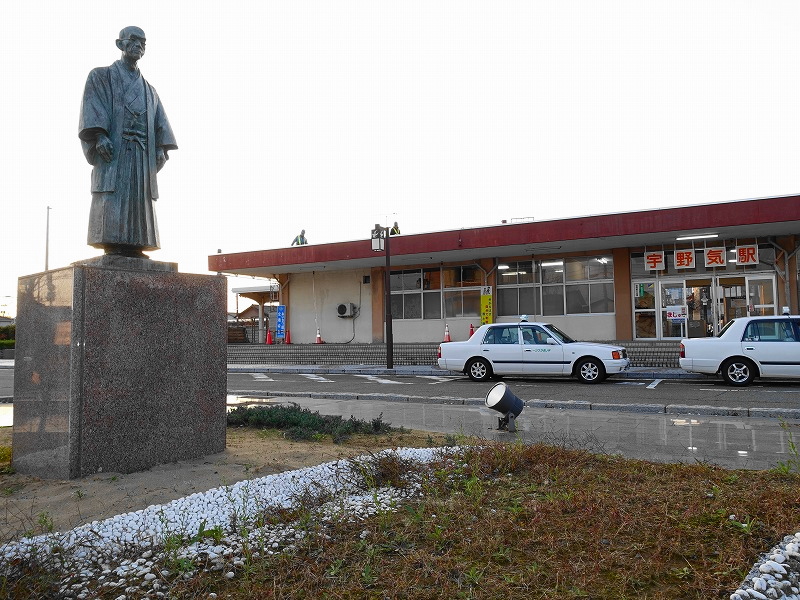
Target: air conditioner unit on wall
{"x":347,"y":309}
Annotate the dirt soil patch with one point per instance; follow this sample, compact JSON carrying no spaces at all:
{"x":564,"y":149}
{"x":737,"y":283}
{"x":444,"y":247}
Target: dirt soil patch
{"x":26,"y":501}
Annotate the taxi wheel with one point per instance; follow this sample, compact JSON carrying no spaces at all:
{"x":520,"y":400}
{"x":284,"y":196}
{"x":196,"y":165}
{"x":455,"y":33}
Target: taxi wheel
{"x":479,"y":370}
{"x":590,"y":370}
{"x":738,"y":371}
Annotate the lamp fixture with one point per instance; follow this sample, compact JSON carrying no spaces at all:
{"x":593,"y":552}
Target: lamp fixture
{"x":699,"y":236}
{"x":504,"y":401}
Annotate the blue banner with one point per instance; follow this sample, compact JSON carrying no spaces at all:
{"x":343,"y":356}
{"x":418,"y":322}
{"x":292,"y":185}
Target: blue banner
{"x":280,"y":325}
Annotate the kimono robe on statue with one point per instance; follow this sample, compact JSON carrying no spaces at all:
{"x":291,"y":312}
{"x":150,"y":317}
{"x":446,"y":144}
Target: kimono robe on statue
{"x":121,"y":104}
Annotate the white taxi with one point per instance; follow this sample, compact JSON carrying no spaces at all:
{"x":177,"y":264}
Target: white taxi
{"x":747,"y":348}
{"x":531,"y":349}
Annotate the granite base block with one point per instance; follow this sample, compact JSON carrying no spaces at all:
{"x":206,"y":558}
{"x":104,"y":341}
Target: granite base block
{"x":117,"y":370}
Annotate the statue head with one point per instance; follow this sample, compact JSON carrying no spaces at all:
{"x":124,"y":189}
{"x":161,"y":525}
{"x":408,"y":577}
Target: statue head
{"x":132,"y":42}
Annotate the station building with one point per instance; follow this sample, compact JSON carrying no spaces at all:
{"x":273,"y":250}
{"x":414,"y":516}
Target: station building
{"x":653,"y":274}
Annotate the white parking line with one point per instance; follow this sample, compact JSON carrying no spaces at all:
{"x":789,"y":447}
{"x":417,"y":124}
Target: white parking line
{"x":377,"y":379}
{"x":654,"y":384}
{"x":313,"y":377}
{"x":628,"y":383}
{"x":438,"y":379}
{"x":262,"y":377}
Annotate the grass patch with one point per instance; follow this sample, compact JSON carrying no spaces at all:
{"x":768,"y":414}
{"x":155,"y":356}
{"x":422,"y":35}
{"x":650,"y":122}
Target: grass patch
{"x":302,"y":424}
{"x":498,"y":521}
{"x":515,"y":521}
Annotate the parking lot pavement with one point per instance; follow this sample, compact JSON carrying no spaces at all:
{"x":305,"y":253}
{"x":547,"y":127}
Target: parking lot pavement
{"x":633,"y":373}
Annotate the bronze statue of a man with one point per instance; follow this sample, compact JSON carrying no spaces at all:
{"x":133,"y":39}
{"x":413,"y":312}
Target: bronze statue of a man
{"x":126,"y":138}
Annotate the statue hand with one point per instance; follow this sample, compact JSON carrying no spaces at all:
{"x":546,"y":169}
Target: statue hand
{"x":161,"y":158}
{"x":104,"y":147}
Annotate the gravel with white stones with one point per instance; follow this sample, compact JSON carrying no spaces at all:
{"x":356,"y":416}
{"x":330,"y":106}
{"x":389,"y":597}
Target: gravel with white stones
{"x":127,"y":553}
{"x":776,"y":575}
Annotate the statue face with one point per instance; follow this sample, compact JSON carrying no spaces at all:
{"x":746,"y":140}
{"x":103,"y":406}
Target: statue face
{"x":132,"y":43}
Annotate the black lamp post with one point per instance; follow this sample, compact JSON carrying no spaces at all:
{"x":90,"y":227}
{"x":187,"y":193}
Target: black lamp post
{"x":380,"y":239}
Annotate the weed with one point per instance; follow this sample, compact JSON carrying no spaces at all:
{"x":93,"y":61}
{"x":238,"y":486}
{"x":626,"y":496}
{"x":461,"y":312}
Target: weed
{"x":745,"y":526}
{"x":336,"y":568}
{"x":215,"y":533}
{"x":45,"y":522}
{"x":683,"y":573}
{"x":473,"y":487}
{"x":792,"y":465}
{"x":473,"y":576}
{"x":368,"y":575}
{"x":12,"y":489}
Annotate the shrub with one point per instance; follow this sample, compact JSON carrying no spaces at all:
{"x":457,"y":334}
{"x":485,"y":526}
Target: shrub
{"x":302,"y":424}
{"x":8,"y":332}
{"x":6,"y":344}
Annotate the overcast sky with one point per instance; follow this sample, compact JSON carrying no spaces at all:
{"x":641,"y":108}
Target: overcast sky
{"x":332,"y":116}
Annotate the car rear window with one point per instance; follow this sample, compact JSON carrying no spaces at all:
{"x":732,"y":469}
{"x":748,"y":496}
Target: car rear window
{"x":779,"y":330}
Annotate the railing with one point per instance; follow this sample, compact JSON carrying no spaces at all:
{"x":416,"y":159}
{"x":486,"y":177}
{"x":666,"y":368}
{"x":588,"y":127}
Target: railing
{"x":643,"y":353}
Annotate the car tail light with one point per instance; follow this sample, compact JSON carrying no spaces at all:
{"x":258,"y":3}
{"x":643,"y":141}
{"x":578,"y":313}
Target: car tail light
{"x":615,"y":354}
{"x":683,"y":351}
{"x":439,"y":352}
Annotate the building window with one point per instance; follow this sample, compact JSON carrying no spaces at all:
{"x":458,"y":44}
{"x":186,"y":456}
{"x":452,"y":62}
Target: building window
{"x":416,"y":294}
{"x":516,"y":294}
{"x":462,"y":291}
{"x":577,"y":285}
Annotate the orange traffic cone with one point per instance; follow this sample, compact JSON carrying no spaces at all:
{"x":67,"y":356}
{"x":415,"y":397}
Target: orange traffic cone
{"x":268,"y":341}
{"x":471,"y":330}
{"x":446,"y":333}
{"x":288,"y":338}
{"x":319,"y":338}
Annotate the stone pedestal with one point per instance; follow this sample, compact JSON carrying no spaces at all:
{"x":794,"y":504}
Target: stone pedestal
{"x":120,"y":366}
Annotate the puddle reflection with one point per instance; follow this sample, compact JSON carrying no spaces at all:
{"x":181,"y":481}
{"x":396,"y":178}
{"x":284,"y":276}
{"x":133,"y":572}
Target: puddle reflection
{"x":749,"y":443}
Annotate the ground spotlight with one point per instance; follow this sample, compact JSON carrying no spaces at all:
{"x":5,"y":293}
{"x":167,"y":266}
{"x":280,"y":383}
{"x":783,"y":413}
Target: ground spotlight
{"x":503,"y":400}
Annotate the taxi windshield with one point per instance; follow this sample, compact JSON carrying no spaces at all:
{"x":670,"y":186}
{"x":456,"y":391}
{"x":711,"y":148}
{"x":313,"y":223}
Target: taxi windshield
{"x":559,"y":335}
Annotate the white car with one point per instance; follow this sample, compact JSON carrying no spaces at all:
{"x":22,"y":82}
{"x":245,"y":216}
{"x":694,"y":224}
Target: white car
{"x":747,"y":348}
{"x":531,"y":349}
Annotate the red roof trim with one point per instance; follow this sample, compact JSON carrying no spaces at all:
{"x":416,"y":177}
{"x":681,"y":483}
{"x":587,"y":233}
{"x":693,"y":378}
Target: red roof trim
{"x":689,"y":218}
